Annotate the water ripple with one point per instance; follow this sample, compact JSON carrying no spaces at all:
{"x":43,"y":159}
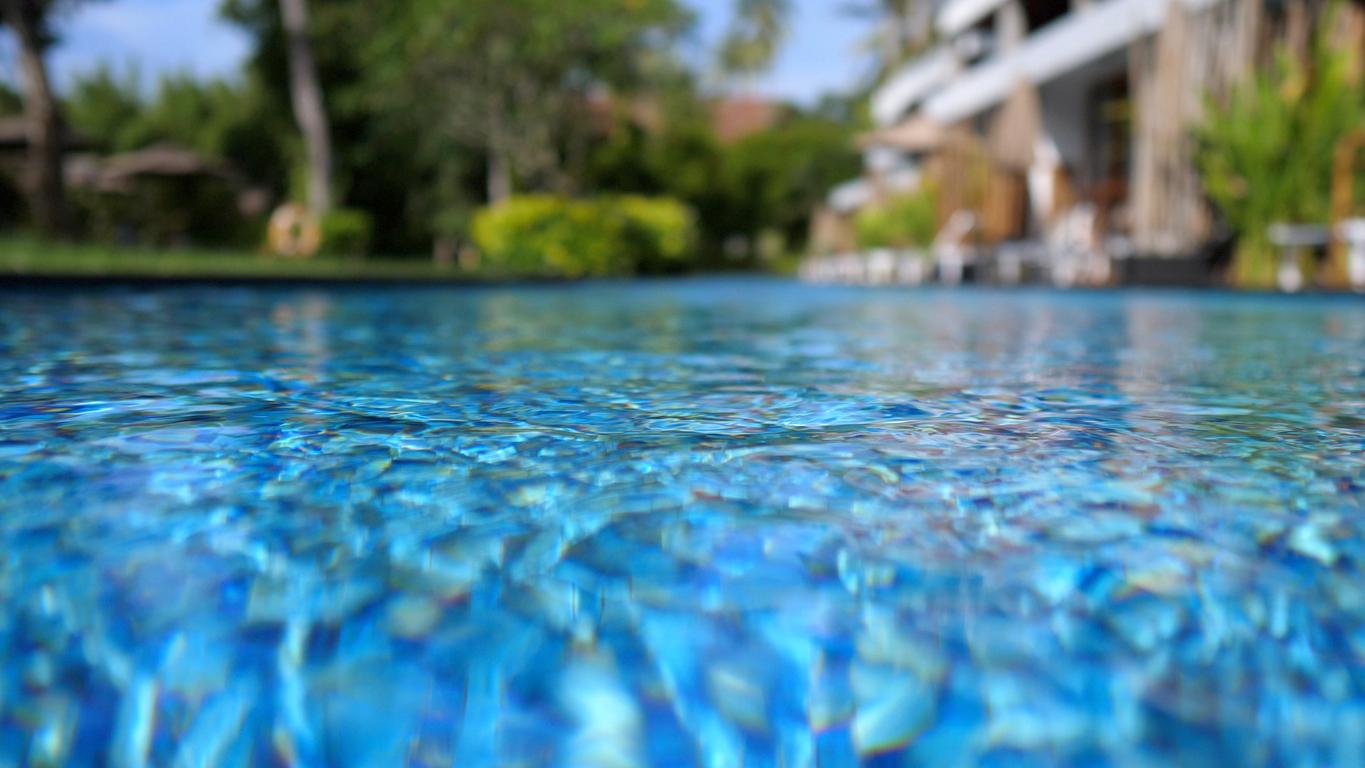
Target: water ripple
{"x":714,"y":522}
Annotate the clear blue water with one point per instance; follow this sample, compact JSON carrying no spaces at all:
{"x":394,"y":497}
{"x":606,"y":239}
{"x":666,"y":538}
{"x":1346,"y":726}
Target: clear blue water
{"x":714,"y":523}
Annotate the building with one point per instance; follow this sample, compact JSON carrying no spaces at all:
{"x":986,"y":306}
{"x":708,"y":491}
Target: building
{"x":1064,"y":121}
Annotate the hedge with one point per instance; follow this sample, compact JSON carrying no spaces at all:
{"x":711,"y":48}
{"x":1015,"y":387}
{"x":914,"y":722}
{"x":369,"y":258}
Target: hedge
{"x":550,"y":236}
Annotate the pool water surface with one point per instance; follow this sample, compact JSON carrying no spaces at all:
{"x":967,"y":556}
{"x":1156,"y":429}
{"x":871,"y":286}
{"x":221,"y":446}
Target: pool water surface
{"x":710,"y":522}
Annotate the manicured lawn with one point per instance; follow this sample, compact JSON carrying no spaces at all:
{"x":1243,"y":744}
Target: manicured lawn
{"x":29,"y":257}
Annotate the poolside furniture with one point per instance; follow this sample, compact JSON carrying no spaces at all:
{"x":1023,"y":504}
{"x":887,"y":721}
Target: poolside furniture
{"x":910,"y":267}
{"x":850,"y":268}
{"x":1010,"y":259}
{"x":881,"y":266}
{"x":950,"y":247}
{"x":1292,"y":239}
{"x":1073,"y":252}
{"x":1352,"y":235}
{"x":1348,"y":252}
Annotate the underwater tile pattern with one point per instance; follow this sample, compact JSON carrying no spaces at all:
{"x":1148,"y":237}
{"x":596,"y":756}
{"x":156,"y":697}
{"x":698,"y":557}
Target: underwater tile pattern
{"x":708,"y":522}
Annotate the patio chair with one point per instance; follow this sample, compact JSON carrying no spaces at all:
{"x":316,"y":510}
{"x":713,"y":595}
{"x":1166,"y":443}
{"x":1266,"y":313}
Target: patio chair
{"x":950,"y":248}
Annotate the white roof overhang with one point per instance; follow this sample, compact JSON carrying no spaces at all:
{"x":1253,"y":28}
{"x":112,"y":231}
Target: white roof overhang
{"x":1062,"y":46}
{"x":911,"y":84}
{"x":959,"y":15}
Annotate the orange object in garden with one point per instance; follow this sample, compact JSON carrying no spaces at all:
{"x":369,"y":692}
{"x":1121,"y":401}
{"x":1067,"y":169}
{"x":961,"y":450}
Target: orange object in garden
{"x":294,"y":232}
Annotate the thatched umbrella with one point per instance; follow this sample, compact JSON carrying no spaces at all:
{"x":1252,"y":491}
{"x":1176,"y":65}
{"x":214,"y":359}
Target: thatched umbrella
{"x":14,"y":136}
{"x":1015,"y":130}
{"x":916,"y":134}
{"x":164,"y":160}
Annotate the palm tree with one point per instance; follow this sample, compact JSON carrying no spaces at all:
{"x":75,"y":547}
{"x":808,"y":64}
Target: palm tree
{"x":29,"y":20}
{"x":754,"y":37}
{"x":309,"y":109}
{"x":901,"y":29}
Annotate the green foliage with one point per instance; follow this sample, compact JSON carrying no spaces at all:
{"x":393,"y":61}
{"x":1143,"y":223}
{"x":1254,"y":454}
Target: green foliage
{"x":12,"y":202}
{"x":423,"y":93}
{"x":559,"y":237}
{"x":754,"y":36}
{"x":899,"y":30}
{"x":658,"y":235}
{"x":904,"y":221}
{"x":767,"y":183}
{"x":11,"y":103}
{"x":507,"y":78}
{"x":165,"y":211}
{"x":383,"y":164}
{"x":776,"y":178}
{"x":103,"y":107}
{"x":219,"y":119}
{"x":30,"y":256}
{"x":347,"y":232}
{"x":1266,"y":154}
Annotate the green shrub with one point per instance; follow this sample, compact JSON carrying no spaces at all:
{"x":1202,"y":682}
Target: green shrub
{"x":1266,"y":153}
{"x":905,"y":221}
{"x":560,"y":237}
{"x":164,"y":211}
{"x":346,"y":232}
{"x":660,"y":234}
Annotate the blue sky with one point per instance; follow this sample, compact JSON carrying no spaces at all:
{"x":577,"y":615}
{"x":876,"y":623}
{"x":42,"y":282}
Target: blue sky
{"x":163,"y":36}
{"x":158,"y":36}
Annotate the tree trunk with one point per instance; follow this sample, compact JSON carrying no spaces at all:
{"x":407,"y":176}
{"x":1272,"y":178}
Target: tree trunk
{"x":43,"y":123}
{"x":499,"y":178}
{"x":309,"y":111}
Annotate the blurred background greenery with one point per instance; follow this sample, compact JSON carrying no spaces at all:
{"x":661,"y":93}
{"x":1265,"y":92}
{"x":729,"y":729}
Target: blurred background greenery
{"x":424,"y":129}
{"x":539,"y":138}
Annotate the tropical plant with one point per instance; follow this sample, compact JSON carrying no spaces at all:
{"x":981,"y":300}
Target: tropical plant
{"x":1266,"y":152}
{"x":900,"y":29}
{"x":908,"y":220}
{"x":755,"y":34}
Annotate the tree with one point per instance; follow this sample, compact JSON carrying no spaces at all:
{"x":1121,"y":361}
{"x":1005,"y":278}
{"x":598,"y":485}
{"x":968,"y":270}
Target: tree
{"x":309,"y":109}
{"x":384,"y":160}
{"x":30,"y":21}
{"x":510,"y":78}
{"x":756,"y":33}
{"x":230,"y":120}
{"x":104,"y":107}
{"x":776,"y":178}
{"x":901,"y":29}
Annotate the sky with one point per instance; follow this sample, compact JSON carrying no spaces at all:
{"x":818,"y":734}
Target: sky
{"x":176,"y":36}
